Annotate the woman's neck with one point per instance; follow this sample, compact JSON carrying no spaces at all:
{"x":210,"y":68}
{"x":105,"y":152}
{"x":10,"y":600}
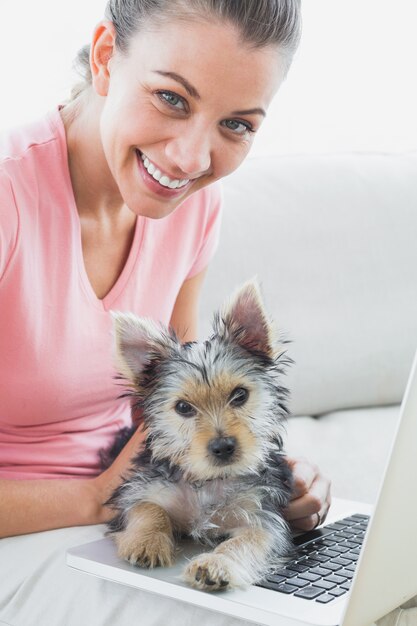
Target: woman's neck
{"x":95,"y":191}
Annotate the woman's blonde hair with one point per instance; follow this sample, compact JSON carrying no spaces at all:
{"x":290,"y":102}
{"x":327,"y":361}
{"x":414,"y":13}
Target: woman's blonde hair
{"x":260,"y":23}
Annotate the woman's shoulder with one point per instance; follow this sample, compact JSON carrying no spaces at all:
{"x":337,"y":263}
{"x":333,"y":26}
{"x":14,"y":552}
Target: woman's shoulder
{"x":21,"y":143}
{"x":28,"y":163}
{"x":33,"y":157}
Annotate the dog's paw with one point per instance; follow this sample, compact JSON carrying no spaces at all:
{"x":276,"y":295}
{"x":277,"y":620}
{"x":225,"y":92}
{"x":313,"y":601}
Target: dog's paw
{"x":146,"y":551}
{"x":209,"y":571}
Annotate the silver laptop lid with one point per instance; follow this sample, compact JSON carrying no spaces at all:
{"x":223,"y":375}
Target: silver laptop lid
{"x":386,"y":573}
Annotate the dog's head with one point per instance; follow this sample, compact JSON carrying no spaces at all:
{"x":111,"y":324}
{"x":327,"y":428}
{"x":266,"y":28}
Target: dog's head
{"x":213,"y":408}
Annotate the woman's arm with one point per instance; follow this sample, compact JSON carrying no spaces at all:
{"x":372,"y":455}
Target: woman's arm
{"x":33,"y":505}
{"x":28,"y":506}
{"x":184,"y":319}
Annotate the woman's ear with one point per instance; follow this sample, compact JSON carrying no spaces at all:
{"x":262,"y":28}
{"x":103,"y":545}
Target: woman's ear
{"x":101,"y":51}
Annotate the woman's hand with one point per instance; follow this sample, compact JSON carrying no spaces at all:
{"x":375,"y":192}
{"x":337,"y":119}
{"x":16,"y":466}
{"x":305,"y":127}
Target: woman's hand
{"x":310,"y":501}
{"x":104,"y":484}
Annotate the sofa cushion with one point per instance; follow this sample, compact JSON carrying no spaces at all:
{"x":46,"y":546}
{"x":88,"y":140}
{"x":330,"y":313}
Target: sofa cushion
{"x":332,"y":240}
{"x":350,"y":447}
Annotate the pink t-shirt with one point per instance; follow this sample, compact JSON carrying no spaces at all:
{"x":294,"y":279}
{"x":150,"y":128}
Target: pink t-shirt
{"x":58,"y":396}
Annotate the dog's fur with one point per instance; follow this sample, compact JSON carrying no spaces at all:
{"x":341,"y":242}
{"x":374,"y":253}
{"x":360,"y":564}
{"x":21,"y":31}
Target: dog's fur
{"x":212,"y":467}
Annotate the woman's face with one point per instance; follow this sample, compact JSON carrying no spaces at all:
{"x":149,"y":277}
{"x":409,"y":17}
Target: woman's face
{"x":183,"y":106}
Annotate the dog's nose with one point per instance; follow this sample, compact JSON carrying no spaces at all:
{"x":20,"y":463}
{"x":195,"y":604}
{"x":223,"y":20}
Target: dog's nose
{"x":222,"y":448}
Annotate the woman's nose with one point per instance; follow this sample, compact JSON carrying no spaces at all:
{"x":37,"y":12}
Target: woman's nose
{"x":190,"y":151}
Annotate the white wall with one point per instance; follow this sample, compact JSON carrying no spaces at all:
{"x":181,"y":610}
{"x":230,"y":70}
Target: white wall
{"x":352,"y":85}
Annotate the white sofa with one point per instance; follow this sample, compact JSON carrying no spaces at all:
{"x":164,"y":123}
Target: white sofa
{"x":332,"y":241}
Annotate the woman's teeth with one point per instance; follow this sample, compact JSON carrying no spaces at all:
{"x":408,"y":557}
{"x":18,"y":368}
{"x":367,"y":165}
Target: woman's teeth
{"x":162,"y":179}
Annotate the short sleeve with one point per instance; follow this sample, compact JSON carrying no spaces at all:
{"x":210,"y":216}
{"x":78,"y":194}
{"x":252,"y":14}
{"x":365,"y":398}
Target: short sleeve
{"x":9,"y":222}
{"x":211,"y":236}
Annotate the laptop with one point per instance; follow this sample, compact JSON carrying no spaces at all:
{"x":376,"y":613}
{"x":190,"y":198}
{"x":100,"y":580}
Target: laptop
{"x":350,"y":572}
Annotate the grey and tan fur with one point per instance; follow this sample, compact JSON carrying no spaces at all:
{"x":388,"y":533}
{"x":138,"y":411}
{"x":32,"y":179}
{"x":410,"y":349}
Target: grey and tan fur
{"x":212,"y":467}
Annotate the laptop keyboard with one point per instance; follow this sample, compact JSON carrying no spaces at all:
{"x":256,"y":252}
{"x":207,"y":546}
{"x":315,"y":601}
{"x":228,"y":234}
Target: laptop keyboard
{"x":325,"y":563}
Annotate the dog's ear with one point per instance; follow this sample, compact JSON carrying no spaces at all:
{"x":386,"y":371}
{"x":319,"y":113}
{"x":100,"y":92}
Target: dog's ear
{"x":137,"y":340}
{"x":245,"y":320}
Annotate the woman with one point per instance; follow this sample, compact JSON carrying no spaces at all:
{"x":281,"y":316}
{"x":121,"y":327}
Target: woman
{"x":109,"y":203}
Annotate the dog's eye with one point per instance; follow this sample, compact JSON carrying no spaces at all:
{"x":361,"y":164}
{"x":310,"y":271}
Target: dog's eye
{"x":238,"y":396}
{"x":185,"y":409}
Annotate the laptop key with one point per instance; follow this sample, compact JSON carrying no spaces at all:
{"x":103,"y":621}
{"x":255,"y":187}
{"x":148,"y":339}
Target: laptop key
{"x":268,"y":584}
{"x":342,"y":561}
{"x":309,"y":549}
{"x":330,"y":527}
{"x":321,"y":571}
{"x":284,"y":588}
{"x":351,"y":519}
{"x":299,"y":582}
{"x":325,"y":584}
{"x":346,"y":573}
{"x":327,"y":542}
{"x":331,"y":553}
{"x":309,"y":593}
{"x":337,"y":591}
{"x":336,"y":579}
{"x":321,"y":558}
{"x":309,"y":576}
{"x":339,"y":525}
{"x":282,"y":571}
{"x":340,"y":549}
{"x":306,"y":559}
{"x":272,"y":578}
{"x":351,"y":567}
{"x":297,"y":567}
{"x":325,"y":598}
{"x":358,"y":541}
{"x":334,"y":567}
{"x":342,"y":535}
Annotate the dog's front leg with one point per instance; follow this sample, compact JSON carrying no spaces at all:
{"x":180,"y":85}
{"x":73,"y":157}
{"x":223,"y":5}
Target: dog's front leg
{"x":236,"y":562}
{"x":147,"y":539}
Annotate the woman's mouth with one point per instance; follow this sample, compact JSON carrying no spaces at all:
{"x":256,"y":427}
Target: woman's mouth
{"x":158,"y":181}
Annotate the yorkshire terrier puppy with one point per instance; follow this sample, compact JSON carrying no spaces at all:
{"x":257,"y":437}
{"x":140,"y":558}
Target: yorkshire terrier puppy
{"x":212,"y":467}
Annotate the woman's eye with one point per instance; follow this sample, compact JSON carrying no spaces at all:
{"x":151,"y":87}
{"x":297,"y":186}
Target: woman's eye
{"x":238,"y":396}
{"x":185,"y":409}
{"x":172,"y":99}
{"x":238,"y":127}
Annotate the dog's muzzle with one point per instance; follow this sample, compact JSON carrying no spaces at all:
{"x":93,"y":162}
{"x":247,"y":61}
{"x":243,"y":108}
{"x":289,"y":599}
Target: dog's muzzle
{"x":222,"y":448}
